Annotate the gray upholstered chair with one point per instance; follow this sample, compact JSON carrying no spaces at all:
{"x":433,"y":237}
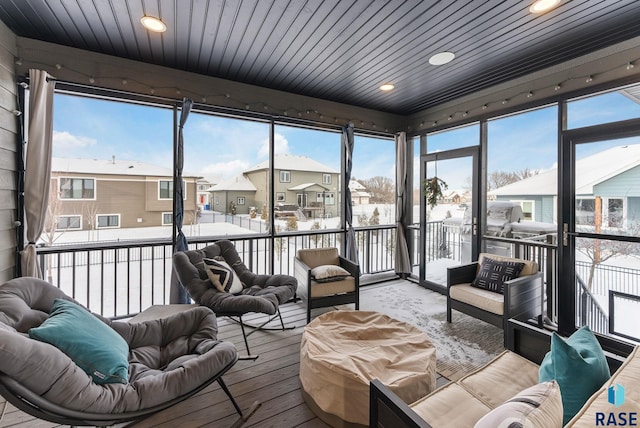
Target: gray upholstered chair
{"x":169,"y":360}
{"x":320,"y":284}
{"x":521,"y":298}
{"x":260,"y":293}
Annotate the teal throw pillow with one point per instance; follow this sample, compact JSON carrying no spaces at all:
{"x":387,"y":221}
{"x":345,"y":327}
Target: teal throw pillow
{"x":94,"y":346}
{"x":579,"y":366}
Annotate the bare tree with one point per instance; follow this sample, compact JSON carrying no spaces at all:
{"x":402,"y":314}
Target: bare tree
{"x":599,"y":251}
{"x":498,"y":179}
{"x":381,"y":189}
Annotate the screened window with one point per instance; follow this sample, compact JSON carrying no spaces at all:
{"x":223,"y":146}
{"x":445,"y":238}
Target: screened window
{"x":114,"y":145}
{"x":455,"y":138}
{"x":77,"y":188}
{"x":309,"y":164}
{"x":373,"y":181}
{"x":612,"y":106}
{"x":522,"y":165}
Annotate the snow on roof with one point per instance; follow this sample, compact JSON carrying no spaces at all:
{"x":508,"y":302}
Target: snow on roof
{"x":111,"y":166}
{"x":237,"y":183}
{"x":295,"y":163}
{"x":356,"y":185}
{"x":592,"y":169}
{"x":305,"y":186}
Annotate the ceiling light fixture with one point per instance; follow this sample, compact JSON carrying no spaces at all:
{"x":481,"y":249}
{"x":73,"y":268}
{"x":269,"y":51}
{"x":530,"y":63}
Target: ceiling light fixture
{"x":442,"y":58}
{"x":387,"y":87}
{"x":541,"y":6}
{"x":153,"y":24}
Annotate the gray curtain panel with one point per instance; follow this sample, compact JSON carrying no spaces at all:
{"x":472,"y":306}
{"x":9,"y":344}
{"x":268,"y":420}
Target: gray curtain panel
{"x":177,"y":293}
{"x":403,"y":262}
{"x":351,"y":246}
{"x":38,"y":166}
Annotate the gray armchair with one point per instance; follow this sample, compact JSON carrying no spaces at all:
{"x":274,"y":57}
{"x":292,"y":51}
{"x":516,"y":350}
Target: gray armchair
{"x":260,"y":293}
{"x":168,"y":361}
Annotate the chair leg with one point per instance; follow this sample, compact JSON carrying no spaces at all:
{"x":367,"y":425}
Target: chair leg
{"x":281,"y":320}
{"x":244,"y":335}
{"x":226,"y":391}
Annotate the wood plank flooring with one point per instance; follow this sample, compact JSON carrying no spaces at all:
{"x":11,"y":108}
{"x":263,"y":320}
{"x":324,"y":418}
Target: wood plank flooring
{"x":272,"y":380}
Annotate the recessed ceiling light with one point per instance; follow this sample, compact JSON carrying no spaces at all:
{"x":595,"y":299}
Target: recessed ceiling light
{"x":540,"y":6}
{"x":387,"y":87}
{"x":442,"y":58}
{"x":153,"y":24}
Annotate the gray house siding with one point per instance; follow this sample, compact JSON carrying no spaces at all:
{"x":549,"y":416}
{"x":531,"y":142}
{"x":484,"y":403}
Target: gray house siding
{"x":222,"y":201}
{"x":8,"y":167}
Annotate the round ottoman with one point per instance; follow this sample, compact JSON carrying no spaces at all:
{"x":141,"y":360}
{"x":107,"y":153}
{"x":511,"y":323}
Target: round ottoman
{"x":341,"y":351}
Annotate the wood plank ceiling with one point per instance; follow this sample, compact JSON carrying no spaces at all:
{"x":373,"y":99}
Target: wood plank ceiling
{"x":339,"y":50}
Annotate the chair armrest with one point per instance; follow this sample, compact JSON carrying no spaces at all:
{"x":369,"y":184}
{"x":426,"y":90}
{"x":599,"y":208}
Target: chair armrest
{"x":301,"y":271}
{"x":386,"y":409}
{"x":349,"y":266}
{"x":524,"y":282}
{"x":461,"y":274}
{"x":523,"y":297}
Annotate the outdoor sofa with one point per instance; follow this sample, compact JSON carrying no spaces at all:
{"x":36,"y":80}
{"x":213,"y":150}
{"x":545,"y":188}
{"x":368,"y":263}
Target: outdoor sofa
{"x":507,"y":389}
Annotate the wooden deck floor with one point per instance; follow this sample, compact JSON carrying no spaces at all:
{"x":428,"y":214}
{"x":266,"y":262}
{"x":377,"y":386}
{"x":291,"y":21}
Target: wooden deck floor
{"x":272,"y":380}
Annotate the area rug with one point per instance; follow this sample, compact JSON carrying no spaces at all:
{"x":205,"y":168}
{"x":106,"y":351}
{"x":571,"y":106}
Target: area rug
{"x":461,"y":346}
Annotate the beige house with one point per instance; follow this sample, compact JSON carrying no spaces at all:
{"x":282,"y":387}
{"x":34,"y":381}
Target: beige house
{"x":359,"y":194}
{"x":299,"y":181}
{"x":89,"y":194}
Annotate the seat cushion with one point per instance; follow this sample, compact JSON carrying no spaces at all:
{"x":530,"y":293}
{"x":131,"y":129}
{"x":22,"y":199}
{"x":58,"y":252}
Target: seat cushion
{"x":442,"y":408}
{"x":509,"y":370}
{"x":478,"y":297}
{"x":320,"y":289}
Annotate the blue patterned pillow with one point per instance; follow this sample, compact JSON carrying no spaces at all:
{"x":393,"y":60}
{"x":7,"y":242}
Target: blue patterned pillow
{"x":222,"y":276}
{"x":494,"y":273}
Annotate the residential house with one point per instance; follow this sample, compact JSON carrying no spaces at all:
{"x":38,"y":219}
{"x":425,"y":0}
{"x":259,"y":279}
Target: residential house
{"x":204,"y":194}
{"x":90,"y":194}
{"x":300,"y":181}
{"x":359,"y":194}
{"x":606,"y":195}
{"x":237,"y":192}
